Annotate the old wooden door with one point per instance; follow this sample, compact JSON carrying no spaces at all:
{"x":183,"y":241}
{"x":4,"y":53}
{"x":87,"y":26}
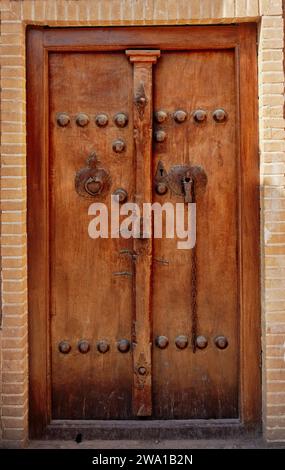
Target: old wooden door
{"x":124,"y":328}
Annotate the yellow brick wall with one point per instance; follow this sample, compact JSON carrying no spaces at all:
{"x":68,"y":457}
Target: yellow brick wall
{"x":15,"y":15}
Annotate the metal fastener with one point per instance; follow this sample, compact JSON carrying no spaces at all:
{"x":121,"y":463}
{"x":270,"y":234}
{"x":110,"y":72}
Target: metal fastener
{"x":221,"y":342}
{"x":82,"y":119}
{"x":101,"y":120}
{"x":63,"y":119}
{"x":83,"y":346}
{"x":161,"y":188}
{"x":119,"y":146}
{"x":141,"y":100}
{"x":201,"y":342}
{"x":121,"y":120}
{"x":180,"y":116}
{"x":200,"y":115}
{"x":142,"y":370}
{"x":161,"y":342}
{"x":181,"y":341}
{"x":160,"y":116}
{"x":220,"y":115}
{"x":124,"y":345}
{"x":103,"y":346}
{"x":64,"y":347}
{"x":160,"y":136}
{"x":122,"y":193}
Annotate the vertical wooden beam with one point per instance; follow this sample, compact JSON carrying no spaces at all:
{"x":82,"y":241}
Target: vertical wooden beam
{"x":249,"y":229}
{"x":38,"y":230}
{"x":142,"y":110}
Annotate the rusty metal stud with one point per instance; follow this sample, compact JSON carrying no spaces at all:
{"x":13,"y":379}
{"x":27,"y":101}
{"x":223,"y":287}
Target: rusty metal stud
{"x":122,"y":193}
{"x":161,"y":342}
{"x":200,"y":115}
{"x":160,"y":136}
{"x":83,"y":346}
{"x":161,"y":188}
{"x":141,"y":100}
{"x":124,"y":345}
{"x":181,"y":341}
{"x":119,"y":146}
{"x":220,"y":115}
{"x":82,"y":119}
{"x":221,"y":342}
{"x":142,"y":370}
{"x":63,"y":119}
{"x":101,"y":120}
{"x":201,"y":342}
{"x":160,"y":116}
{"x":121,"y":120}
{"x":103,"y":346}
{"x":64,"y":347}
{"x":180,"y":116}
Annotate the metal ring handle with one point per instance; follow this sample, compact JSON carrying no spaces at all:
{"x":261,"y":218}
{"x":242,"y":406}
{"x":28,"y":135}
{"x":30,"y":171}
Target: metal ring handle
{"x":91,"y":180}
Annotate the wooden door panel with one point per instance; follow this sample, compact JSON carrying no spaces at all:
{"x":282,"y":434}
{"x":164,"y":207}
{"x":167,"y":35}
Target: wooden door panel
{"x":89,"y":299}
{"x":109,"y":289}
{"x":203,"y":384}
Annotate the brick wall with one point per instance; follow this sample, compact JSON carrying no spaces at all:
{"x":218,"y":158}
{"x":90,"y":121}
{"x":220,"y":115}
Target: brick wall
{"x":15,"y":15}
{"x":271,"y":125}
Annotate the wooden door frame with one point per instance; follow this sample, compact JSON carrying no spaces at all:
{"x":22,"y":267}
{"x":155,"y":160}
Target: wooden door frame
{"x":242,"y":38}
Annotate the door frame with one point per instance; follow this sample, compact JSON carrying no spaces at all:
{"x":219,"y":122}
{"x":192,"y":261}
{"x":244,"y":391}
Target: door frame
{"x":242,"y":38}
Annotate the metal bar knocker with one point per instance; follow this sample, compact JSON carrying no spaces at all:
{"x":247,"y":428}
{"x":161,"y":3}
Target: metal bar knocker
{"x":189,"y":197}
{"x":190,"y":183}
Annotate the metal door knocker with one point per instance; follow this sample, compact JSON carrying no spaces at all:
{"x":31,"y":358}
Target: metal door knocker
{"x":92,"y":181}
{"x":190,"y":183}
{"x":183,"y":180}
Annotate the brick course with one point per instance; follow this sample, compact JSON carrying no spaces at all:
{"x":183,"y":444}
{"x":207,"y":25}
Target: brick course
{"x":15,"y":15}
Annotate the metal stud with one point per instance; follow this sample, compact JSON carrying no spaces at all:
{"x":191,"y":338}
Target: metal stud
{"x":201,"y":342}
{"x":160,"y":136}
{"x":141,"y":100}
{"x":122,"y":193}
{"x":101,"y":120}
{"x":119,"y":146}
{"x":63,"y":119}
{"x":103,"y":346}
{"x":64,"y":347}
{"x":83,"y":346}
{"x":220,"y":115}
{"x":142,"y":370}
{"x":161,"y":342}
{"x":124,"y":345}
{"x":121,"y":120}
{"x":180,"y":116}
{"x":82,"y":119}
{"x":161,"y":188}
{"x":221,"y":342}
{"x":181,"y":342}
{"x":160,"y":116}
{"x":200,"y":115}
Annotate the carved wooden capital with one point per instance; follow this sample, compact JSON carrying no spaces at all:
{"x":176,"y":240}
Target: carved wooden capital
{"x":142,"y":55}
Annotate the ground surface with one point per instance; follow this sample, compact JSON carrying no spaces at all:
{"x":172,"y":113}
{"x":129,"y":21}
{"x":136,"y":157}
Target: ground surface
{"x":164,"y":444}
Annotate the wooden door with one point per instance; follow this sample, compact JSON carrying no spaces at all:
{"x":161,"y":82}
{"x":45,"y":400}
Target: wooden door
{"x":129,"y":328}
{"x":91,"y":302}
{"x":201,"y":379}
